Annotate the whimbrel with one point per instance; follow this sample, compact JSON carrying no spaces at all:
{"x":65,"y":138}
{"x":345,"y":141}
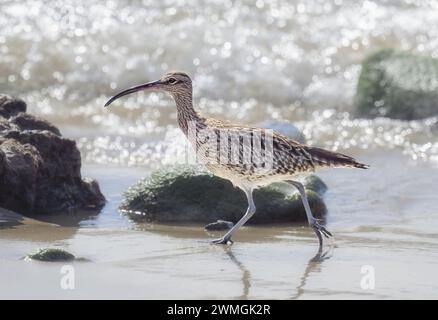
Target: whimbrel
{"x":288,"y":157}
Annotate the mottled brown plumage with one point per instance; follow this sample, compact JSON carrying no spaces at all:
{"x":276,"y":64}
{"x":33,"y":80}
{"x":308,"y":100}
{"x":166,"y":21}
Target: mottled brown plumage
{"x":248,"y":157}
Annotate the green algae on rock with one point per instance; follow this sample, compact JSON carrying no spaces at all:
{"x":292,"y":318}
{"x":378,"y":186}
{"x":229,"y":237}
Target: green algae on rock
{"x":398,"y":85}
{"x":51,"y":255}
{"x":188,"y":194}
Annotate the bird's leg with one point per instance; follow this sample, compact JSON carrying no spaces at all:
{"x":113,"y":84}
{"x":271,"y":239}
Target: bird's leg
{"x":319,"y":229}
{"x":249,"y":213}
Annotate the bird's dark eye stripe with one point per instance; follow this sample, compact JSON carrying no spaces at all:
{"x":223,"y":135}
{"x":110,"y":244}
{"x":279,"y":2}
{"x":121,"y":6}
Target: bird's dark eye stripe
{"x":172,"y":81}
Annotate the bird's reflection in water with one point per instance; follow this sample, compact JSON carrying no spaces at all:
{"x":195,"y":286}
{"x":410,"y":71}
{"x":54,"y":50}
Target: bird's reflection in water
{"x":313,"y":265}
{"x":246,"y":275}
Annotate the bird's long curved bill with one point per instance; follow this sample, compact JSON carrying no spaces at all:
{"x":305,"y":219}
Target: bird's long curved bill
{"x":141,"y":87}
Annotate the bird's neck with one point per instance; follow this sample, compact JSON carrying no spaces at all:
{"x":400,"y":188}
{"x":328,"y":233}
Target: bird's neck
{"x":186,"y":113}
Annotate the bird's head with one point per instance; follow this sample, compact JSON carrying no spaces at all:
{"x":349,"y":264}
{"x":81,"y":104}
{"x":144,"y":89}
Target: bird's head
{"x":173,"y":82}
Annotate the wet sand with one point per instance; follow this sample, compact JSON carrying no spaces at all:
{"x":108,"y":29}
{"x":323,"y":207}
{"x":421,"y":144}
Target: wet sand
{"x":382,"y":218}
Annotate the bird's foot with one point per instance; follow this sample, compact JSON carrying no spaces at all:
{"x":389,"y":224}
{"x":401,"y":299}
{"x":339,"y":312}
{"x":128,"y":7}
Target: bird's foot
{"x":320,"y":231}
{"x":222,"y":241}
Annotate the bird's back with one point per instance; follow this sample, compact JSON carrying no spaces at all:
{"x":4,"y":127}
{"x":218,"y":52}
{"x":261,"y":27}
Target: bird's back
{"x":239,"y":152}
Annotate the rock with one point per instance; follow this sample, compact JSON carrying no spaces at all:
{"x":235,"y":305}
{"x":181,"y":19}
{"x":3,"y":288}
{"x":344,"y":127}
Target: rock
{"x":92,"y":196}
{"x":2,"y":162}
{"x":4,"y":124}
{"x":219,"y":225}
{"x":285,"y":128}
{"x":314,"y":183}
{"x":40,"y":171}
{"x":25,"y":121}
{"x":9,"y":218}
{"x":10,"y":107}
{"x":51,"y":255}
{"x":19,"y":167}
{"x":398,"y":85}
{"x":187,"y":194}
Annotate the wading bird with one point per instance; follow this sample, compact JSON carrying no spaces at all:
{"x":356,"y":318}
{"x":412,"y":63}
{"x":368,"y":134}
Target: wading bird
{"x":288,"y":157}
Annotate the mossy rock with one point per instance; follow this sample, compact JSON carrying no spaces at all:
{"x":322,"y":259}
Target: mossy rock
{"x":219,"y":225}
{"x":397,"y":85}
{"x":315,"y":183}
{"x":51,"y":255}
{"x":187,"y":194}
{"x":316,"y":203}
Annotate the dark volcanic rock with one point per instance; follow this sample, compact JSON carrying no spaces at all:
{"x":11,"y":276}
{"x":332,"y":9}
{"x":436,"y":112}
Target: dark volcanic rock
{"x":25,"y":121}
{"x":10,"y":107}
{"x":219,"y":225}
{"x":51,"y":255}
{"x":4,"y":124}
{"x":185,"y":194}
{"x":40,"y":171}
{"x":19,"y":169}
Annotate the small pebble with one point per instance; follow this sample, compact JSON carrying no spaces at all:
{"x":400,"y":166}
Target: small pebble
{"x":219,"y":225}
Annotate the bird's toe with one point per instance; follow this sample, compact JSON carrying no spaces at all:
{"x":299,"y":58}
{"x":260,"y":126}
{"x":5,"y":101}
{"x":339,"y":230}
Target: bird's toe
{"x":321,"y":230}
{"x":223,"y":241}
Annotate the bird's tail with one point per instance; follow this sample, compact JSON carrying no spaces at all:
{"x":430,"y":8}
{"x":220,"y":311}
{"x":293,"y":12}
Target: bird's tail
{"x":325,"y":158}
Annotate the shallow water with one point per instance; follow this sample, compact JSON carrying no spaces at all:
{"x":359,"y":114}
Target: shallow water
{"x":294,"y":61}
{"x":391,"y":226}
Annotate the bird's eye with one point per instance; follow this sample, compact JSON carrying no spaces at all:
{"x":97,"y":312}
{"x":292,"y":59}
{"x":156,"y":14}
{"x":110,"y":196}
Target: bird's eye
{"x":171,"y":81}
